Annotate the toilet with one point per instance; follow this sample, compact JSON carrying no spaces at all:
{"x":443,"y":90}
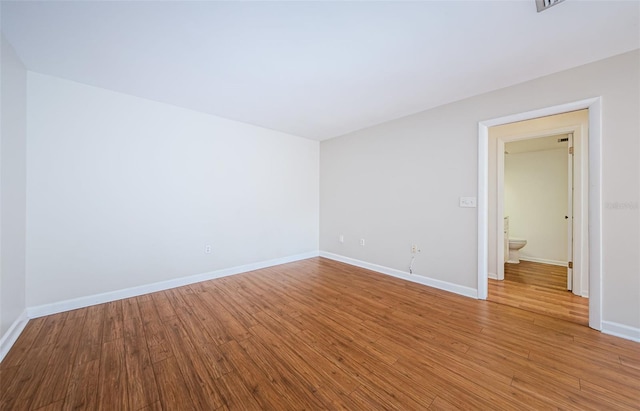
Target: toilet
{"x":512,"y":245}
{"x":515,"y":244}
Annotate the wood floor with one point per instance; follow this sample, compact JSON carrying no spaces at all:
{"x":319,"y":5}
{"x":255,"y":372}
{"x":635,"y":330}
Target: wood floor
{"x":540,"y":288}
{"x":314,"y":334}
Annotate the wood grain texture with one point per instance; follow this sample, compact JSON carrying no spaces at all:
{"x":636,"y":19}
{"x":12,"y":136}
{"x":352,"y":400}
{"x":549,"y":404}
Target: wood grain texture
{"x":539,"y":288}
{"x":112,"y":380}
{"x":315,"y":334}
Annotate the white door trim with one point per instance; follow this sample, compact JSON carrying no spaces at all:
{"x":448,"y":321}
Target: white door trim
{"x":595,"y":196}
{"x":571,"y":249}
{"x":500,"y":209}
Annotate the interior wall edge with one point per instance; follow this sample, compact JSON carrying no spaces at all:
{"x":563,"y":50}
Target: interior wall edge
{"x":87,"y":301}
{"x":621,"y":330}
{"x":13,"y":160}
{"x":430,"y":282}
{"x":543,"y":261}
{"x":11,"y":336}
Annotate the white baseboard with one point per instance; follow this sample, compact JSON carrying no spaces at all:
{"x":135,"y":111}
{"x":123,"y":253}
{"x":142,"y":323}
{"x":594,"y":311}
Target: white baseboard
{"x":493,"y":276}
{"x":431,"y":282}
{"x":12,"y":334}
{"x":81,"y":302}
{"x":543,"y":261}
{"x":621,"y":330}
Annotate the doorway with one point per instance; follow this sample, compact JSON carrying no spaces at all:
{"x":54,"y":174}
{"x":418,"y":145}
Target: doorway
{"x":548,"y":194}
{"x":535,"y":197}
{"x":587,"y":216}
{"x":537,"y":200}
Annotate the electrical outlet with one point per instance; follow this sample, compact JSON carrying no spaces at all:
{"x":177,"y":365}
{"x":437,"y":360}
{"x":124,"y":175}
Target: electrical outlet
{"x":341,"y":238}
{"x":414,"y":249}
{"x":207,"y":249}
{"x":362,"y":242}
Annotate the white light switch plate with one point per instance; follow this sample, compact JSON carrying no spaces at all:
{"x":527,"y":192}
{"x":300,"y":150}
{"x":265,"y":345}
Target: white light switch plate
{"x":468,"y":202}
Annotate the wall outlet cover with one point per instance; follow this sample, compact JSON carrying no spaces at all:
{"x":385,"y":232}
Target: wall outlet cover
{"x":468,"y":202}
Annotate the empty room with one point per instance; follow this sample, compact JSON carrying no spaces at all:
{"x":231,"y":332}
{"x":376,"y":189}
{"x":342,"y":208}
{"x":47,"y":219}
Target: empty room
{"x":320,"y":205}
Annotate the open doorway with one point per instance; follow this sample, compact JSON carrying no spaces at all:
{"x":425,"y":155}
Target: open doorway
{"x":539,"y":199}
{"x":587,"y":211}
{"x":536,"y":195}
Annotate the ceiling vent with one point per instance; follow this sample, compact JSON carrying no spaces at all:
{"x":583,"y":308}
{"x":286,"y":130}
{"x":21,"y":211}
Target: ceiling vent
{"x":542,"y":5}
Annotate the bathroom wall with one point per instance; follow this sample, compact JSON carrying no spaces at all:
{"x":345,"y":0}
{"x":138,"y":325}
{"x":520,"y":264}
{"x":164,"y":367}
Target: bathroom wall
{"x":535,"y":199}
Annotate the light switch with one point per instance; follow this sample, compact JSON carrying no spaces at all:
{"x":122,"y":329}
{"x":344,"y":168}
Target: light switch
{"x":468,"y":202}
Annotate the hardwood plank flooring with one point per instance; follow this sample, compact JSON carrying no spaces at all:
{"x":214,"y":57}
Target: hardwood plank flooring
{"x":539,"y":288}
{"x":315,"y":334}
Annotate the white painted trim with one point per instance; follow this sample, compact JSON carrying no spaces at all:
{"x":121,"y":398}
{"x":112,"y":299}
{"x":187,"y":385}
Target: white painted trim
{"x":595,"y":213}
{"x":483,"y":210}
{"x":12,"y":334}
{"x":500,"y":214}
{"x":574,"y":251}
{"x":431,"y":282}
{"x":492,"y":276}
{"x":543,"y":261}
{"x":81,"y":302}
{"x":621,"y":330}
{"x":595,"y":196}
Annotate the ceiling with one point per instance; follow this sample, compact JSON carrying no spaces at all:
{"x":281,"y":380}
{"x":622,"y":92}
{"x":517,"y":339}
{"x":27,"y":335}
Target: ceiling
{"x":313,"y":69}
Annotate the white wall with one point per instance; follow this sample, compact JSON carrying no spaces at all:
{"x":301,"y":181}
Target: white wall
{"x":124,"y":192}
{"x":536,"y":201}
{"x":398,"y":183}
{"x":13,"y":139}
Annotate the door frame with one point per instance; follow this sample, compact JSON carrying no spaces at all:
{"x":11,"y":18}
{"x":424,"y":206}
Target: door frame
{"x":571,"y":249}
{"x":594,"y":105}
{"x":574,"y":251}
{"x":500,"y":159}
